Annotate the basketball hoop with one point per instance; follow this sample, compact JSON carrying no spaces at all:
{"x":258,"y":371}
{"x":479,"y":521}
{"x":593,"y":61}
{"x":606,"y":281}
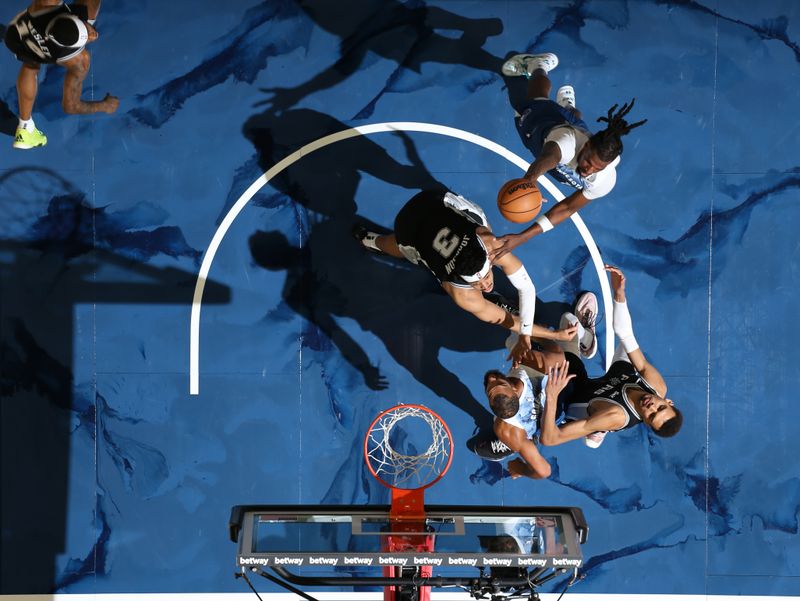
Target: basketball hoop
{"x":408,"y":448}
{"x":408,"y":468}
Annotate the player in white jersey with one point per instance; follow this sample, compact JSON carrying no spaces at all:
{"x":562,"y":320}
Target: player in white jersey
{"x":517,"y":402}
{"x":562,"y":144}
{"x":50,"y":32}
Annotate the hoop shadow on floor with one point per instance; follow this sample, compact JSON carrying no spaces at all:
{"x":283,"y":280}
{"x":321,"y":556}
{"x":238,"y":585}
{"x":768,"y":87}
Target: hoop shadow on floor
{"x":53,"y":264}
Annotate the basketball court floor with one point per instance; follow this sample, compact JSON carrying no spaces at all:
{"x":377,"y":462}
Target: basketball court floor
{"x":187,"y":324}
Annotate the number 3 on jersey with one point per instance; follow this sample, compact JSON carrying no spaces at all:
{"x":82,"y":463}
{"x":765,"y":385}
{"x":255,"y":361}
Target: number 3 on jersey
{"x":445,"y":242}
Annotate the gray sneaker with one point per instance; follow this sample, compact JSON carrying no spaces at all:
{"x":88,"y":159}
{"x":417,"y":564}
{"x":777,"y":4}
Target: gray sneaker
{"x":586,"y":311}
{"x":526,"y":64}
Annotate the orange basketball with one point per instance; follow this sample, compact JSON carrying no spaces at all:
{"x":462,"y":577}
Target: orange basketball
{"x":519,"y":200}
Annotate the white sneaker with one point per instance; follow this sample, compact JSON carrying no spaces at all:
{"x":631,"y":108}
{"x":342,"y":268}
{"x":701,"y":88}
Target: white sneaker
{"x":566,"y":97}
{"x":594,"y":440}
{"x":586,"y":312}
{"x":526,"y":64}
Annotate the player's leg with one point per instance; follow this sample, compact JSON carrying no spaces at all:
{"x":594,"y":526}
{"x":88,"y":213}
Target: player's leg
{"x":375,"y":242}
{"x":388,"y":245}
{"x":27,"y":88}
{"x":27,"y":136}
{"x":539,"y":85}
{"x":535,"y":67}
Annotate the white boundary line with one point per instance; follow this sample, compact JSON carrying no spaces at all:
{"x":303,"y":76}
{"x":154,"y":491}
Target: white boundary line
{"x":365,"y":130}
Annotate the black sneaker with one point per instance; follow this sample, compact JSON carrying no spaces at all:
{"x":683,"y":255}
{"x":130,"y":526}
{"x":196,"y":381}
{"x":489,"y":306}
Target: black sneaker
{"x":488,"y":447}
{"x":360,"y":233}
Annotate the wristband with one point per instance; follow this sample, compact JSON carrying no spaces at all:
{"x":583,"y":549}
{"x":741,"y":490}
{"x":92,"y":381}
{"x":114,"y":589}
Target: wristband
{"x":544,"y":223}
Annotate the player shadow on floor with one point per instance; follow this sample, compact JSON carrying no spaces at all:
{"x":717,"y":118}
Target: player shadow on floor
{"x":401,"y":305}
{"x":52,"y":261}
{"x":324,"y":181}
{"x":8,"y":120}
{"x":410,"y":36}
{"x":328,"y":273}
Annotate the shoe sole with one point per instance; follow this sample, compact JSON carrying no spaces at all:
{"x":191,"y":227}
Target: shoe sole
{"x":521,"y":58}
{"x":26,"y":146}
{"x":580,"y":304}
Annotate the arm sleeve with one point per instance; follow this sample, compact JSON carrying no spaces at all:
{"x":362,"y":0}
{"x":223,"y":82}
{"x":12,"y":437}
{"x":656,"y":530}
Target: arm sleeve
{"x":623,"y":327}
{"x":564,"y":136}
{"x":527,"y":299}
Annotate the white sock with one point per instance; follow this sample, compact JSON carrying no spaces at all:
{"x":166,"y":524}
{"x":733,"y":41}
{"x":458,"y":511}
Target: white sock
{"x":27,"y":124}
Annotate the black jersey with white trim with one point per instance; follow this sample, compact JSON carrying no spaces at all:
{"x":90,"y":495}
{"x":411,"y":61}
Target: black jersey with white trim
{"x":613,"y":388}
{"x":25,"y":35}
{"x":437,"y":225}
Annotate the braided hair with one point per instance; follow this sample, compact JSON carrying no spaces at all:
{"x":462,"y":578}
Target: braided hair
{"x":608,"y":143}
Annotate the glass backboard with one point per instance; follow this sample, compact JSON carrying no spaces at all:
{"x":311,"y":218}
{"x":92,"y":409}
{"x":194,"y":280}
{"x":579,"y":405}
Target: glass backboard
{"x":466,"y":536}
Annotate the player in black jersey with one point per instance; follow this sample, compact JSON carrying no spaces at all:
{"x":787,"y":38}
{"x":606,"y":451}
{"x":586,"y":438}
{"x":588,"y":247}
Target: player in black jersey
{"x":51,"y":33}
{"x":631,"y":392}
{"x":450,"y":236}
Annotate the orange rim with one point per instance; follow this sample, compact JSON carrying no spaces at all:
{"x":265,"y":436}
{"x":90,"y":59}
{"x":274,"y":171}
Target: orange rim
{"x":395,"y":408}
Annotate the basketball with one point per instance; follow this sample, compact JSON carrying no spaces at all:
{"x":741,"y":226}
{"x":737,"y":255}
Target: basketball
{"x":519,"y":200}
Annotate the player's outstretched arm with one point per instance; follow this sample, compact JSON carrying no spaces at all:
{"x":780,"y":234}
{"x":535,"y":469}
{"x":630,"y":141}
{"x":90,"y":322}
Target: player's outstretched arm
{"x":473,"y":302}
{"x":544,"y":223}
{"x":547,"y":160}
{"x":623,"y":328}
{"x":552,"y":435}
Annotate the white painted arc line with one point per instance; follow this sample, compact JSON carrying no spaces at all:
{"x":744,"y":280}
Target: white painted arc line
{"x":224,"y":226}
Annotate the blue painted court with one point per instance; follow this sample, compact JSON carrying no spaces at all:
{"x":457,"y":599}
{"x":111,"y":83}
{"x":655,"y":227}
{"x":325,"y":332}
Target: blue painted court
{"x":137,"y":409}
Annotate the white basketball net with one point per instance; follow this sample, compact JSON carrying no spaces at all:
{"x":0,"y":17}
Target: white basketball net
{"x":408,"y":471}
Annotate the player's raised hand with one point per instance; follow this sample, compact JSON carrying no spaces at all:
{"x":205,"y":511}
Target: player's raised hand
{"x":504,"y":245}
{"x":520,"y":350}
{"x":617,"y":282}
{"x":566,"y":334}
{"x":558,"y":377}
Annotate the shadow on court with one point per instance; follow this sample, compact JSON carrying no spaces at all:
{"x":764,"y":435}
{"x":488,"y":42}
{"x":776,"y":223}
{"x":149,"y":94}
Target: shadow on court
{"x":56,"y":254}
{"x":330,"y":276}
{"x":408,"y":34}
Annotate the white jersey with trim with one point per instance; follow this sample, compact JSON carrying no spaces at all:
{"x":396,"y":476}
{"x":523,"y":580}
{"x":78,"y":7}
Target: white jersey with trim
{"x":531,"y":402}
{"x":570,"y":141}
